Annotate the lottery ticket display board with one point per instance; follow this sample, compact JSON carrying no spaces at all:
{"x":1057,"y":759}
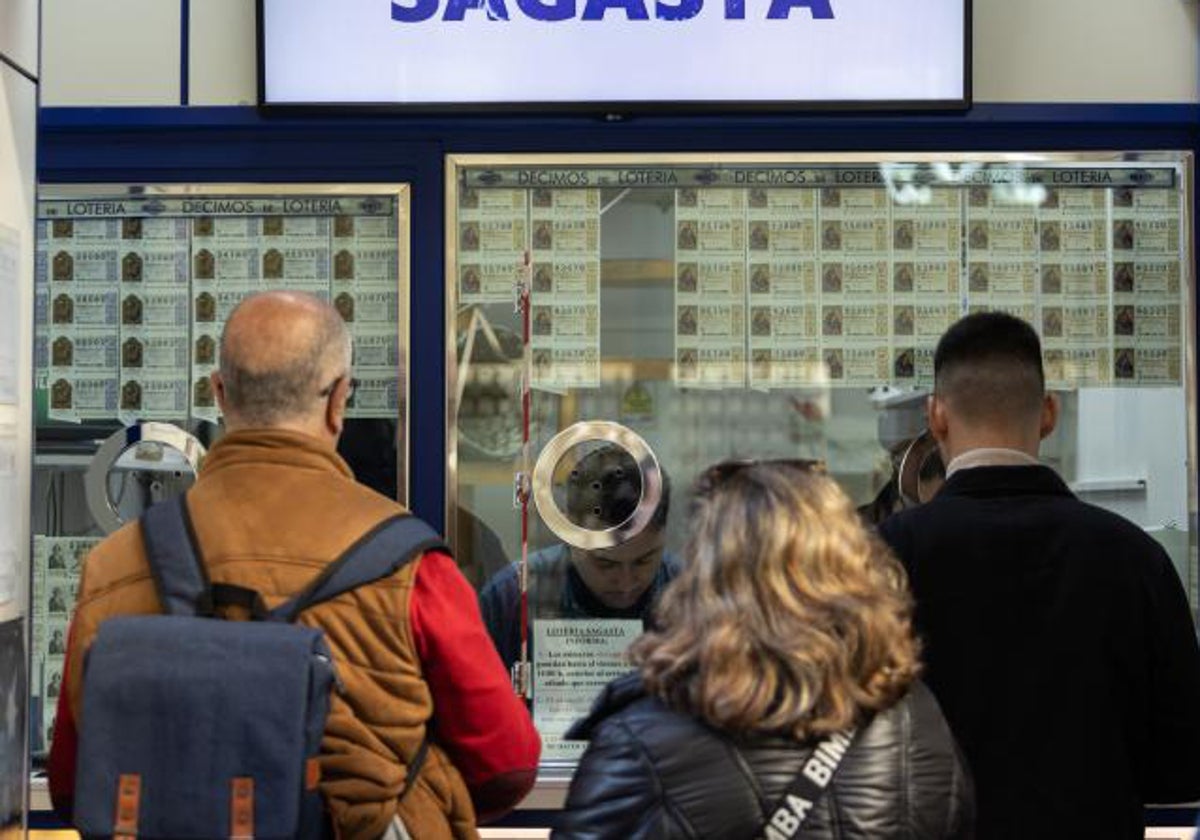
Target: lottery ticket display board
{"x":134,"y":285}
{"x":788,"y":275}
{"x":57,"y":562}
{"x":789,"y":306}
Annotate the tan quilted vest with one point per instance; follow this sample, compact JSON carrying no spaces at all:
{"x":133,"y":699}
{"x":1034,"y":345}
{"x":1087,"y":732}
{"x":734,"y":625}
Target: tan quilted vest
{"x":270,"y":509}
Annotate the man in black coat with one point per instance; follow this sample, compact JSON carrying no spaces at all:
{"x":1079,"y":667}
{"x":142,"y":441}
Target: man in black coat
{"x":1058,"y":638}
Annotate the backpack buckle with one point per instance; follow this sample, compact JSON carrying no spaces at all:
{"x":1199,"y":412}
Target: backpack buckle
{"x":225,"y":595}
{"x":129,"y":794}
{"x":241,"y":808}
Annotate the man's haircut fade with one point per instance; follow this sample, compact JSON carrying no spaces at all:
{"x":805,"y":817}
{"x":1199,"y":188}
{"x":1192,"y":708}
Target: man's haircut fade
{"x":990,"y":364}
{"x":287,"y":388}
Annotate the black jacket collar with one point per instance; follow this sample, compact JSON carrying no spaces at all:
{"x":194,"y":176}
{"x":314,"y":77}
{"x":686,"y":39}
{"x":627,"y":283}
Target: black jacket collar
{"x":982,"y":482}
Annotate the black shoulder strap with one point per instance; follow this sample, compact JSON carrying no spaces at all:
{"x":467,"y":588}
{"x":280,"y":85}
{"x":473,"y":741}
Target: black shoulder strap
{"x":179,"y":576}
{"x":808,"y":786}
{"x":380,"y":552}
{"x":414,"y":767}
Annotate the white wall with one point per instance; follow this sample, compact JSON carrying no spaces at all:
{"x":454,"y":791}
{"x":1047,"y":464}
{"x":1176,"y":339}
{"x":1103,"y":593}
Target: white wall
{"x":18,"y":121}
{"x":18,"y":110}
{"x":18,"y":33}
{"x":1086,"y":51}
{"x":112,"y":52}
{"x":224,"y":28}
{"x":126,"y":52}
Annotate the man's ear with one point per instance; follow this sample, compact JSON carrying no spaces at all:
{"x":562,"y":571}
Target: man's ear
{"x":335,"y":406}
{"x":935,"y":412}
{"x":1049,"y":419}
{"x":218,"y":386}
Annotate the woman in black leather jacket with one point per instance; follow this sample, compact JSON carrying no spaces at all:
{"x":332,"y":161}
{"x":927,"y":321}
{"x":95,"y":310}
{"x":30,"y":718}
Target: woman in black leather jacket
{"x":788,"y":624}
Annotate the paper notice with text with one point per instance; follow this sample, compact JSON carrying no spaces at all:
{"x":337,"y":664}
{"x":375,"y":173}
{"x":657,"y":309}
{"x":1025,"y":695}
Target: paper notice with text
{"x":573,"y":660}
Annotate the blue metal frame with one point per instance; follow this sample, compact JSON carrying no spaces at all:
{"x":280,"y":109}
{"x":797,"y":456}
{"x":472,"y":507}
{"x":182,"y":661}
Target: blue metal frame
{"x":185,"y":41}
{"x":178,"y":145}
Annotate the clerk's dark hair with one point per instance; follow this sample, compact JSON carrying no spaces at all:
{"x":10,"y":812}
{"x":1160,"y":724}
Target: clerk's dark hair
{"x":788,"y":616}
{"x":988,"y":366}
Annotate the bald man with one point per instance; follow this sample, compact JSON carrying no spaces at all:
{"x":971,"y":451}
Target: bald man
{"x":273,"y":505}
{"x":1057,"y":636}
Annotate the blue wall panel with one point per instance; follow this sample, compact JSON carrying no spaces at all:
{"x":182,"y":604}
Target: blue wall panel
{"x":147,"y":145}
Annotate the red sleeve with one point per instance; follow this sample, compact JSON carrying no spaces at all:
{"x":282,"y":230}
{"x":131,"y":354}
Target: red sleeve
{"x":60,"y":766}
{"x":479,"y":720}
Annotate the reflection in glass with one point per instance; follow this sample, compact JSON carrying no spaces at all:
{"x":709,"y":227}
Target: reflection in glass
{"x":737,"y":309}
{"x":138,"y":467}
{"x":598,"y":487}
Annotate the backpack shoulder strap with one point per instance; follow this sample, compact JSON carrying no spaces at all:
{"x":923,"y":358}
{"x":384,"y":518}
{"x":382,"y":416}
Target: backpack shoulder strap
{"x":171,"y":550}
{"x":381,"y":552}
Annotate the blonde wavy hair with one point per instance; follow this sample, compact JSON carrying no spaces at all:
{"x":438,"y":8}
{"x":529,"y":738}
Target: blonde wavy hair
{"x":787,"y":617}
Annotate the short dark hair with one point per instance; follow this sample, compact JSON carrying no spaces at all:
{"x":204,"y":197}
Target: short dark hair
{"x":605,"y":487}
{"x":989,"y":364}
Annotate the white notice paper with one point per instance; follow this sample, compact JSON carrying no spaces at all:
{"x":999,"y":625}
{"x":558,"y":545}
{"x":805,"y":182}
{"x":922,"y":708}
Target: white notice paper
{"x":8,"y":508}
{"x":573,"y":660}
{"x":10,"y":314}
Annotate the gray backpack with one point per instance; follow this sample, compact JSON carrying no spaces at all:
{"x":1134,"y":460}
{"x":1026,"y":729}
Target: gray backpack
{"x":197,"y":727}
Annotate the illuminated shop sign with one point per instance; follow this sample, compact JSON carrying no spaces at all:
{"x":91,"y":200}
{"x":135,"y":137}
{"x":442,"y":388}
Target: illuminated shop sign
{"x":719,"y":53}
{"x":558,"y":10}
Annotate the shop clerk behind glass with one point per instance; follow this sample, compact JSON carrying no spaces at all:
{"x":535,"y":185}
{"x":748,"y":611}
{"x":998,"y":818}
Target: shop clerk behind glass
{"x":565,"y":582}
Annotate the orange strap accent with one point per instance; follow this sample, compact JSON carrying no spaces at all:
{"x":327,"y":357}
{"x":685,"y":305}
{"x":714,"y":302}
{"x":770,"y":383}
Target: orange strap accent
{"x":312,"y":774}
{"x":241,"y":808}
{"x":129,"y":792}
